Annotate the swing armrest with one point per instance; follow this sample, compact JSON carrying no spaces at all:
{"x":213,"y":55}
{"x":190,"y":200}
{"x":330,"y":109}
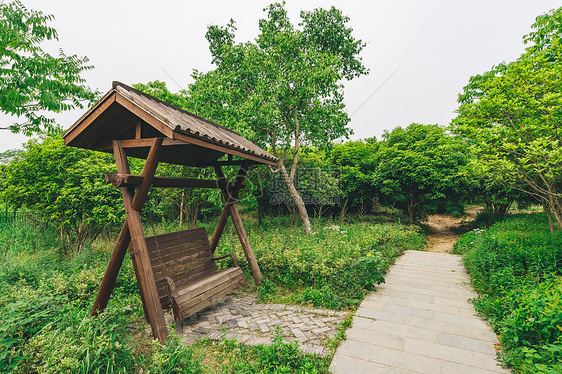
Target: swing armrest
{"x":231,"y":255}
{"x":171,"y":285}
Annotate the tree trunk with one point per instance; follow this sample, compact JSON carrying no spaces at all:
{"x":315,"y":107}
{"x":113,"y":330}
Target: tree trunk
{"x":546,"y":208}
{"x":411,"y":211}
{"x":556,"y":206}
{"x":558,"y":212}
{"x":299,"y":203}
{"x":182,"y":208}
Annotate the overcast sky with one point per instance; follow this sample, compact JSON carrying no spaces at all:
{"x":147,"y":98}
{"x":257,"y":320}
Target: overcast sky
{"x":435,"y":45}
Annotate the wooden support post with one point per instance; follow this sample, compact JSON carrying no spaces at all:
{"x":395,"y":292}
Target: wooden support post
{"x":112,"y":270}
{"x":122,"y":163}
{"x":230,"y":209}
{"x":230,"y":199}
{"x":138,"y":129}
{"x":120,"y":249}
{"x":139,"y":250}
{"x":254,"y":267}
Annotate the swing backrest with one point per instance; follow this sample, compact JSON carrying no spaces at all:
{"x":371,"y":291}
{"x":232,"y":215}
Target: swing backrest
{"x":185,"y":256}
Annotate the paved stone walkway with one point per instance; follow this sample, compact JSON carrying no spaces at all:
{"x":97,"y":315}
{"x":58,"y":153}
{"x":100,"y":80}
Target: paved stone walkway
{"x":419,"y":321}
{"x":253,"y":323}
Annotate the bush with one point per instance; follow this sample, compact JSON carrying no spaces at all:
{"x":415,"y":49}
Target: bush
{"x":334,"y":267}
{"x":23,"y":314}
{"x":532,"y":333}
{"x":515,"y":266}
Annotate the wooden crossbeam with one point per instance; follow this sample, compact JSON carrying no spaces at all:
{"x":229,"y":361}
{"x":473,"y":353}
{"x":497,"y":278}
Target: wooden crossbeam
{"x":130,"y":180}
{"x":138,"y":143}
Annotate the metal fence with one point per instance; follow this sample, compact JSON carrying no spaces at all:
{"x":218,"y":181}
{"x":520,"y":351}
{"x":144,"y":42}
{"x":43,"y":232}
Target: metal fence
{"x":9,"y":217}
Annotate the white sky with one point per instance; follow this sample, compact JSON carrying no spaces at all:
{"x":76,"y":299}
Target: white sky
{"x":440,"y":42}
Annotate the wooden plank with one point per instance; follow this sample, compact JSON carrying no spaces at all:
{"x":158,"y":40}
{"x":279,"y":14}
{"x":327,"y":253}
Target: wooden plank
{"x":138,"y":131}
{"x":162,"y":238}
{"x":173,"y":243}
{"x":184,"y":263}
{"x":163,"y":254}
{"x":183,"y":254}
{"x":252,"y":262}
{"x":138,"y":143}
{"x":182,"y":279}
{"x":184,"y":267}
{"x":128,"y":180}
{"x":226,"y":283}
{"x":211,"y":296}
{"x":198,"y":288}
{"x":206,"y":144}
{"x":90,"y":116}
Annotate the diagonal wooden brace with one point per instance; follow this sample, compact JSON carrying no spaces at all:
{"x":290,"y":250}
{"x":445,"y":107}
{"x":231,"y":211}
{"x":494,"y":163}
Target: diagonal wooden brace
{"x":230,"y":209}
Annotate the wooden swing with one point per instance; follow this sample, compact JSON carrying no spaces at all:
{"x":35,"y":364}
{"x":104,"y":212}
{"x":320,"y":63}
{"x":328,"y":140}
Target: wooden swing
{"x":175,"y":270}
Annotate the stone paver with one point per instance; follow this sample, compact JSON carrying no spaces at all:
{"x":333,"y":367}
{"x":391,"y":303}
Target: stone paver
{"x":253,"y":323}
{"x":419,"y":321}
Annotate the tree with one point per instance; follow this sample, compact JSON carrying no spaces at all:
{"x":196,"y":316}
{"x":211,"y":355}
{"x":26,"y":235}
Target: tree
{"x":284,"y":90}
{"x":357,"y":162}
{"x":497,"y":197}
{"x":64,"y":186}
{"x":512,"y":116}
{"x":31,"y":80}
{"x":419,"y":164}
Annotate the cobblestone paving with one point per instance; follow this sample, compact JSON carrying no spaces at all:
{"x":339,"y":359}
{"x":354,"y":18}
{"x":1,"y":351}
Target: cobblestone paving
{"x":253,"y":323}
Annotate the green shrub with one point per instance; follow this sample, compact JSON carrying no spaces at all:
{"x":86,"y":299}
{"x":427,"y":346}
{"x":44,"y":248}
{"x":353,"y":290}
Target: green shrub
{"x":515,"y":266}
{"x":334,"y":267}
{"x":532,"y":332}
{"x":173,"y":358}
{"x":229,"y":356}
{"x":24,"y":312}
{"x":81,"y":345}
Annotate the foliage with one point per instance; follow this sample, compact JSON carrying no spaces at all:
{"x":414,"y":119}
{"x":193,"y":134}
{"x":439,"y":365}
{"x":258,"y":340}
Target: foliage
{"x":285,"y":89}
{"x":279,"y":357}
{"x":496,"y":196}
{"x":174,"y":358}
{"x":45,"y":327}
{"x":31,"y":80}
{"x":64,"y":186}
{"x":516,"y":266}
{"x":356,"y":161}
{"x":547,"y":31}
{"x":511,"y":116}
{"x":334,"y":267}
{"x":7,"y":156}
{"x":419,"y":164}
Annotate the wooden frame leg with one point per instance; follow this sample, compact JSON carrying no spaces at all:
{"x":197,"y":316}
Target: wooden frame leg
{"x":230,"y":209}
{"x":139,"y":253}
{"x":230,"y":200}
{"x":132,"y":232}
{"x":112,"y":270}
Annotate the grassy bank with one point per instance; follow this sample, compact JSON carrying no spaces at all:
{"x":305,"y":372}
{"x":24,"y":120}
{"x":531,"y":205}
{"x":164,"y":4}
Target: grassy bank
{"x":45,"y":297}
{"x":516,"y":267}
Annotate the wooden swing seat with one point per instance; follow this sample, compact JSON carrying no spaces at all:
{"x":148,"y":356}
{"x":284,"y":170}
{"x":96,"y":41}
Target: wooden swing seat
{"x":186,"y":274}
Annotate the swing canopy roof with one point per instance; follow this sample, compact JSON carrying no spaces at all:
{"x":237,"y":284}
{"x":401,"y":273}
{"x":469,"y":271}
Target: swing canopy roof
{"x":134,"y":118}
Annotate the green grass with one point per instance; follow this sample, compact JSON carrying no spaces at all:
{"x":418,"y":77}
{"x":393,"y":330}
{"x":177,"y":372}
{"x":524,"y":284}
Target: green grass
{"x":516,"y":267}
{"x":45,"y":298}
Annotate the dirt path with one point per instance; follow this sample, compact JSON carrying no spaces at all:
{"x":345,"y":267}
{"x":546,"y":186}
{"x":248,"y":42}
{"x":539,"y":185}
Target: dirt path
{"x":441,"y":238}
